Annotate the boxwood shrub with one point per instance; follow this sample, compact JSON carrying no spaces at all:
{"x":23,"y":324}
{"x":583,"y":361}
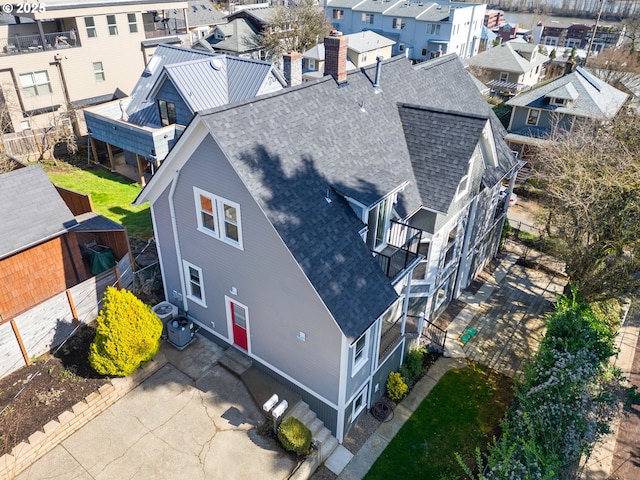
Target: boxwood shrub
{"x":295,"y":436}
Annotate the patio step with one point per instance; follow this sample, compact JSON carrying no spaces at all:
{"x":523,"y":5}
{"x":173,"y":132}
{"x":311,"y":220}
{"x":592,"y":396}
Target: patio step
{"x":235,"y":361}
{"x":324,"y":442}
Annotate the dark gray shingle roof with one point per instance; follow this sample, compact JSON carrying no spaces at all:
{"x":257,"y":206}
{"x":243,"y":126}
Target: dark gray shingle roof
{"x":308,"y":140}
{"x":31,"y":210}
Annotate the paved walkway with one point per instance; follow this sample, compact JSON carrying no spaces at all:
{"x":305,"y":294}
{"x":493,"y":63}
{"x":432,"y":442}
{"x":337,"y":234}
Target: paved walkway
{"x":192,"y":419}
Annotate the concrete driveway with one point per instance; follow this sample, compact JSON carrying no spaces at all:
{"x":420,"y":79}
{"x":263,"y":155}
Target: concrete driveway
{"x":192,"y":419}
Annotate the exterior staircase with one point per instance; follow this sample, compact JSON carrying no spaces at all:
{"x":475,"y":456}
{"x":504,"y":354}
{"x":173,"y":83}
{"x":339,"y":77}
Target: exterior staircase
{"x":323,"y":441}
{"x":235,"y":361}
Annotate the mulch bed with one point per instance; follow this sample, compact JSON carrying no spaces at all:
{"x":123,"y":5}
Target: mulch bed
{"x":36,"y":394}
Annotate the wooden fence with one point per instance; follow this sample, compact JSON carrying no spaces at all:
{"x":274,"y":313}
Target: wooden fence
{"x":48,"y":324}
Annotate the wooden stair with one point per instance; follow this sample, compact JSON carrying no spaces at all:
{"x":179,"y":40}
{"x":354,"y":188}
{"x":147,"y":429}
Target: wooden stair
{"x":321,"y":438}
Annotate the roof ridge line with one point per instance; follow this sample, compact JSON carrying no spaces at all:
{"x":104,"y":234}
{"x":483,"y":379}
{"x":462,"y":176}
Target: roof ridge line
{"x":444,"y":111}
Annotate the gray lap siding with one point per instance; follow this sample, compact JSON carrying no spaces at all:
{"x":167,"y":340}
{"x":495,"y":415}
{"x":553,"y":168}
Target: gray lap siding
{"x":280,"y":301}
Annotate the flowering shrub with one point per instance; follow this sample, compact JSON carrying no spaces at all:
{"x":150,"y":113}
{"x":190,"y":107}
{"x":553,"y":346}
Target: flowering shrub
{"x":564,"y":401}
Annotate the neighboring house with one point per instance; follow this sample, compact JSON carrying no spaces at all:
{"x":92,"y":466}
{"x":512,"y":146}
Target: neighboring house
{"x":507,"y":32}
{"x":569,"y":35}
{"x":202,"y":18}
{"x":42,"y":242}
{"x":68,"y":54}
{"x":511,"y":67}
{"x":238,"y":37}
{"x":422,"y":30}
{"x":363,"y":50}
{"x":487,"y":39}
{"x":305,"y":227}
{"x":175,"y":84}
{"x":561,"y":104}
{"x":493,"y":18}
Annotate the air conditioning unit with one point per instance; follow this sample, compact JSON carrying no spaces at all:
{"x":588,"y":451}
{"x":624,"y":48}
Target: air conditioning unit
{"x":165,"y":311}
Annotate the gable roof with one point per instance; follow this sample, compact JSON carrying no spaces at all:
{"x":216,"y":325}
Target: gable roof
{"x":367,"y":41}
{"x":139,"y":109}
{"x":240,"y":36}
{"x":440,"y":145}
{"x":505,"y":58}
{"x":31,"y":210}
{"x":209,"y":83}
{"x":592,"y":97}
{"x":308,"y":142}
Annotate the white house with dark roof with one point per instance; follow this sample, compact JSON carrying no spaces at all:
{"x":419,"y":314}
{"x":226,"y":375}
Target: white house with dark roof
{"x":176,"y":83}
{"x":511,"y":67}
{"x":561,"y":104}
{"x":309,"y":228}
{"x":363,"y":50}
{"x":421,"y":30}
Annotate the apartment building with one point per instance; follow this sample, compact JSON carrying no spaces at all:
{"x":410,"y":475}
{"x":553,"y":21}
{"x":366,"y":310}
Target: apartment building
{"x":68,"y":54}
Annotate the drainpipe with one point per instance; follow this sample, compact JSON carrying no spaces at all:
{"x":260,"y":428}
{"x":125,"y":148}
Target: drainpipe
{"x":176,"y":240}
{"x":376,"y":82}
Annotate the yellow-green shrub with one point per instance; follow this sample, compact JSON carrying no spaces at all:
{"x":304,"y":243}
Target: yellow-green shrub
{"x":127,"y":334}
{"x":295,"y":436}
{"x":396,"y":387}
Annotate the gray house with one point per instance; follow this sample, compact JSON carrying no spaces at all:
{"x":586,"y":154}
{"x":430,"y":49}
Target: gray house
{"x":561,"y":104}
{"x":308,"y":227}
{"x":176,"y":83}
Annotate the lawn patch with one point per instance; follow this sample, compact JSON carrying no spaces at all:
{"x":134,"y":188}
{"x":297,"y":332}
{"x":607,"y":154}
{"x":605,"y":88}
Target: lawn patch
{"x":462,"y":412}
{"x":111,"y":194}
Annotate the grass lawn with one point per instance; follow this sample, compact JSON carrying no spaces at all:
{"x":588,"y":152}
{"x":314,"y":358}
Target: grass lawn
{"x":462,"y":412}
{"x":110,"y":193}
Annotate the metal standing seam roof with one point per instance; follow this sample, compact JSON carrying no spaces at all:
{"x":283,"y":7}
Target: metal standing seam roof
{"x":140,"y":110}
{"x":31,"y":210}
{"x":595,"y":98}
{"x":310,"y":141}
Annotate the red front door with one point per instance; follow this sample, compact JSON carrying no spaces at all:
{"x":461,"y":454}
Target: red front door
{"x":239,"y":321}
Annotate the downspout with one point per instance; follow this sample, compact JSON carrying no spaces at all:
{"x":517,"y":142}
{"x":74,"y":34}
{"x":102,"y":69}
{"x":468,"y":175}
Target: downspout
{"x":176,"y":241}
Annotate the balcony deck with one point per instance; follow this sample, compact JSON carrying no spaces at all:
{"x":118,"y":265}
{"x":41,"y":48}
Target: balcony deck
{"x":24,"y":44}
{"x":400,"y":251}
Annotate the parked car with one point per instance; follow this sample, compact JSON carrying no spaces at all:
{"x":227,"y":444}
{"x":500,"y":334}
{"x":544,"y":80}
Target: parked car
{"x":503,"y":193}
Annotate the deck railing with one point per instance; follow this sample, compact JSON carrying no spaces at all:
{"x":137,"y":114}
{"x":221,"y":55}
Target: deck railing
{"x":19,"y":44}
{"x":402,"y":249}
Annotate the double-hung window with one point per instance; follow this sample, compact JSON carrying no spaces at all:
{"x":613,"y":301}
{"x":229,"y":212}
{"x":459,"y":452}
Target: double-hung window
{"x":111,"y":23}
{"x":133,"y":25}
{"x":35,"y":83}
{"x":532,"y":117}
{"x":218,"y":217}
{"x":360,"y":353}
{"x":90,"y":23}
{"x":194,"y":281}
{"x":98,"y":71}
{"x":504,"y":76}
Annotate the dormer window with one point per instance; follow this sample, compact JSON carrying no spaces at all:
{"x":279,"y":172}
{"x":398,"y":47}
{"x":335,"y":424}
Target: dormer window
{"x":463,"y":186}
{"x":561,"y":102}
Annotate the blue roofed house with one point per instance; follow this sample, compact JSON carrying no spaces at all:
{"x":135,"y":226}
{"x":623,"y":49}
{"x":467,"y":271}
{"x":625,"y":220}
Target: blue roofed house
{"x":421,"y":30}
{"x":176,"y":83}
{"x":562,"y":104}
{"x":309,"y":227}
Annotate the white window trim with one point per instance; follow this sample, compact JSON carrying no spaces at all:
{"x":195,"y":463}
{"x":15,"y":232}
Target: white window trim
{"x":113,"y":25}
{"x":363,"y":395}
{"x":219,"y":219}
{"x":227,"y":306}
{"x":460,"y":192}
{"x":200,"y":301}
{"x":357,"y":364}
{"x":504,"y":76}
{"x":134,"y":23}
{"x":98,"y":72}
{"x":529,"y":116}
{"x":445,"y":287}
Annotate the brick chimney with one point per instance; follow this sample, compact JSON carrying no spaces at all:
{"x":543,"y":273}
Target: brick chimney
{"x":292,"y":66}
{"x":335,"y":56}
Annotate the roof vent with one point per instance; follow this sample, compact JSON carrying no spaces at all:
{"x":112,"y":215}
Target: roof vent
{"x":216,"y":64}
{"x":152,"y":65}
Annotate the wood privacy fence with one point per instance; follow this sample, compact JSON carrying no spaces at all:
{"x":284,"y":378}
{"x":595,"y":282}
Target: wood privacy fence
{"x":51,"y":322}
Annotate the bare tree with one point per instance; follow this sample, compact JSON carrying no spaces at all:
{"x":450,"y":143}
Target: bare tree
{"x":590,"y":179}
{"x":296,"y":27}
{"x":617,"y":67}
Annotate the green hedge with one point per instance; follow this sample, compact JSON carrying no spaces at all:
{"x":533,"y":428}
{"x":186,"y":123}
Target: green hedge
{"x":295,"y":436}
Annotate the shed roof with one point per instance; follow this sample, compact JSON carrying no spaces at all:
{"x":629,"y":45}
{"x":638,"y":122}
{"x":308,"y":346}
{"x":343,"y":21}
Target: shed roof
{"x":31,"y":210}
